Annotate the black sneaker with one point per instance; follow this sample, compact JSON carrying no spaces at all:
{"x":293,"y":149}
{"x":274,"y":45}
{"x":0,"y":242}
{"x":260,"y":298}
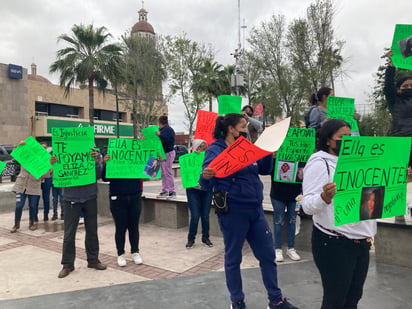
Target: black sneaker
{"x":283,"y":304}
{"x":238,"y":305}
{"x":54,"y":218}
{"x":207,"y":242}
{"x":62,"y":217}
{"x":163,"y":194}
{"x":172,"y":194}
{"x":190,"y":243}
{"x":46,"y":217}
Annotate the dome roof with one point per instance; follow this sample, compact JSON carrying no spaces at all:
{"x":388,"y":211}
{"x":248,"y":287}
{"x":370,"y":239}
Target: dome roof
{"x":34,"y":76}
{"x":142,"y":25}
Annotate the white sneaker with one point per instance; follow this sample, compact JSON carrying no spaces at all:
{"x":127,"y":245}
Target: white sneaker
{"x":137,"y":259}
{"x":121,"y":260}
{"x":292,"y":254}
{"x":279,"y":255}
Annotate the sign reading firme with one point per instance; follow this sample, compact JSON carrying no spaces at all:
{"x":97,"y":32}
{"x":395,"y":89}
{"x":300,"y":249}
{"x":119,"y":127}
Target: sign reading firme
{"x":15,"y":71}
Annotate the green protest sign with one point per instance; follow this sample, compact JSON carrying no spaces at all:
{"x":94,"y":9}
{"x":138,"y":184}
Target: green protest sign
{"x":229,"y":104}
{"x":371,"y":178}
{"x":191,"y":168}
{"x":292,"y":156}
{"x":72,"y":147}
{"x":129,"y":157}
{"x":343,"y":108}
{"x":33,"y":157}
{"x":150,"y":136}
{"x":2,"y":166}
{"x":402,"y":47}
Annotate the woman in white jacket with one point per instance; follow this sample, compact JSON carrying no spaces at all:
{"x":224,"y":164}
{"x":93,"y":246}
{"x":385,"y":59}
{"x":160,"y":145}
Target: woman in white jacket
{"x":341,"y":253}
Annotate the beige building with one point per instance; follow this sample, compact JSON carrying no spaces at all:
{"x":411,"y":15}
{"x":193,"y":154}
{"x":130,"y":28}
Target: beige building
{"x":31,"y":105}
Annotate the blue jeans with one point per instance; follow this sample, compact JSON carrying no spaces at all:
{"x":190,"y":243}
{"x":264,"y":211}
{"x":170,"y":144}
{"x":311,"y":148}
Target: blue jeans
{"x":57,"y":196}
{"x":199,"y":202}
{"x":278,"y":216}
{"x":33,"y":206}
{"x":45,"y":189}
{"x":250,"y":224}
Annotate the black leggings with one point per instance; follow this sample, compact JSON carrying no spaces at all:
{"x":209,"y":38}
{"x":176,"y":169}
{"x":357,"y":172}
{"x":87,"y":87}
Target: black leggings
{"x":343,"y":265}
{"x":126,"y":213}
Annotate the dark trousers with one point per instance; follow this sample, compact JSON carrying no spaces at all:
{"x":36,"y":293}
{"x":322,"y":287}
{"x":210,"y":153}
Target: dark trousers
{"x":57,"y":196}
{"x":45,"y":189}
{"x":126,"y":214}
{"x":199,"y":203}
{"x":343,"y":265}
{"x":71,"y":221}
{"x":241,"y":224}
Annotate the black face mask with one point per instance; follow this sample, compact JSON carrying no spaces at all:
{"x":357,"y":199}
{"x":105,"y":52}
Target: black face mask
{"x":244,"y":134}
{"x":336,"y":150}
{"x":406,"y":93}
{"x":249,"y":114}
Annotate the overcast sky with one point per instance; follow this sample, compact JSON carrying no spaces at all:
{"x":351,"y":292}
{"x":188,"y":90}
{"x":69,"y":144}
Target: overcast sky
{"x":29,"y":30}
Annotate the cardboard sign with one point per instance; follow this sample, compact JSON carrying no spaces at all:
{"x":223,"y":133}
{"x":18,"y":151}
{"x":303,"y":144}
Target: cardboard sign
{"x":292,"y":156}
{"x":371,"y":178}
{"x":343,"y":108}
{"x":402,"y":47}
{"x":150,"y":136}
{"x":73,"y":147}
{"x":33,"y":157}
{"x":205,"y":125}
{"x":191,"y":168}
{"x":229,"y":104}
{"x":129,"y":157}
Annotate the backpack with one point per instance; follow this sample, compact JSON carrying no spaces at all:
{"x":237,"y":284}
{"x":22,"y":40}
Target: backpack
{"x":307,"y":116}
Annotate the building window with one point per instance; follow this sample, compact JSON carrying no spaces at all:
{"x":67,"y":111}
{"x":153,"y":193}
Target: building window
{"x":58,"y":110}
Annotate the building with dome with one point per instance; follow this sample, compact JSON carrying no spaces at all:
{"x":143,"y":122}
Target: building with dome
{"x":31,"y":105}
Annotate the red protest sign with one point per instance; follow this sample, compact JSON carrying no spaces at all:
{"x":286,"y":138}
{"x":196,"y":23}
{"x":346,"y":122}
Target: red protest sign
{"x":238,"y":155}
{"x":205,"y":125}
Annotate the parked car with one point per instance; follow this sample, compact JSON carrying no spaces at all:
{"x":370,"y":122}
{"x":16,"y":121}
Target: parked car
{"x":180,"y":150}
{"x":12,"y":168}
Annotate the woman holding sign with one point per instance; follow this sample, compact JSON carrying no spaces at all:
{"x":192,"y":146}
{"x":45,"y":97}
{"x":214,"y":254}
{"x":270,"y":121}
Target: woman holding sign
{"x":241,"y":217}
{"x":341,"y":253}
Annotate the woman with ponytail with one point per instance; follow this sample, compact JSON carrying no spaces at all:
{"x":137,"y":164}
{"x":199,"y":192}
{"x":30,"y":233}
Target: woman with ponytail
{"x":316,"y":115}
{"x":244,"y":218}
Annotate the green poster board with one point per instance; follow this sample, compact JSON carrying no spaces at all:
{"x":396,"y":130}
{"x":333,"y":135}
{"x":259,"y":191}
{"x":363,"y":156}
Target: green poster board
{"x":371,"y":178}
{"x":229,"y":104}
{"x":72,"y":147}
{"x":129,"y":157}
{"x":343,"y":108}
{"x":292,"y":156}
{"x":150,"y":136}
{"x":402,"y":47}
{"x":191,"y":168}
{"x":33,"y":157}
{"x":2,"y":166}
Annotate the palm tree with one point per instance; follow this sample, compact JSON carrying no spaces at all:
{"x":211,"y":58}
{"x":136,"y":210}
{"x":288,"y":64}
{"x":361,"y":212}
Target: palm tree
{"x":87,"y":60}
{"x":210,"y":81}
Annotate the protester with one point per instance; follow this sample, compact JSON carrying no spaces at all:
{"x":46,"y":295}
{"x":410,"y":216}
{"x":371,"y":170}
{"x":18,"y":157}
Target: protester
{"x":167,"y":136}
{"x":27,"y":186}
{"x":254,"y":127}
{"x":245,"y":219}
{"x":341,"y":253}
{"x":399,"y":99}
{"x":199,"y":202}
{"x":77,"y":199}
{"x":125,"y":205}
{"x":283,"y":197}
{"x":46,"y":185}
{"x":57,"y":194}
{"x":316,"y":116}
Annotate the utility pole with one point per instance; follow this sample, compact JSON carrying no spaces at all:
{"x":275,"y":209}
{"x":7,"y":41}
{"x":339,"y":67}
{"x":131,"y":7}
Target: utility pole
{"x":237,"y":79}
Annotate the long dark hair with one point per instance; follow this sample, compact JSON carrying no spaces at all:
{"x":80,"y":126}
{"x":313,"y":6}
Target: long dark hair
{"x":316,"y":97}
{"x":223,"y":123}
{"x":328,"y":129}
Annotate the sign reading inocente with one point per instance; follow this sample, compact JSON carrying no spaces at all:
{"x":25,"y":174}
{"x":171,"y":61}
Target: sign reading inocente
{"x":371,"y":178}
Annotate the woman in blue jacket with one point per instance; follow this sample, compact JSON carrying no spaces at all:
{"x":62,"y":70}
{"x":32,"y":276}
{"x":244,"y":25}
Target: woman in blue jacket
{"x":245,"y":219}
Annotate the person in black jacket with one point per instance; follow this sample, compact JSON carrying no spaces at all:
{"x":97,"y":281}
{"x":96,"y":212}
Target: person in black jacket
{"x":125,"y":205}
{"x":167,"y":136}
